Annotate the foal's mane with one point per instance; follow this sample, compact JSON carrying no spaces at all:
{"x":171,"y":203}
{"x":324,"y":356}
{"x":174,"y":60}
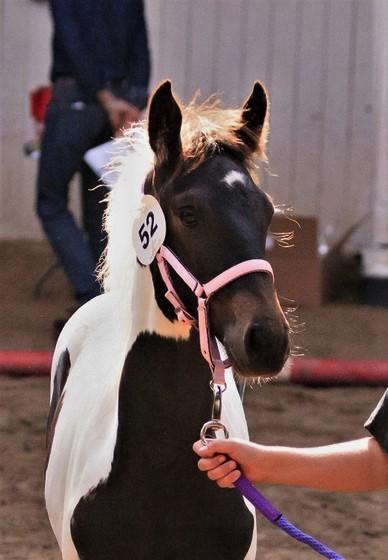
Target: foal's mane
{"x":207,"y":129}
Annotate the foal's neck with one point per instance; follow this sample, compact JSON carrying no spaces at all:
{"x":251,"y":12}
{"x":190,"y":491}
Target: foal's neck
{"x":164,"y":400}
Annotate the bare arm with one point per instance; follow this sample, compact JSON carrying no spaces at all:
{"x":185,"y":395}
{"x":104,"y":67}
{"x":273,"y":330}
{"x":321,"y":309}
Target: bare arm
{"x":357,"y":465}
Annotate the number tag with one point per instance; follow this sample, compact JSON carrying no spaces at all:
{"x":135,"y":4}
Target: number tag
{"x":149,"y":229}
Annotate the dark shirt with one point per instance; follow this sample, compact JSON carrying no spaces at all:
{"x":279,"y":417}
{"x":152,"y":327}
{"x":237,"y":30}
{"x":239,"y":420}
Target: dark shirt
{"x":98,"y":42}
{"x":377,"y":423}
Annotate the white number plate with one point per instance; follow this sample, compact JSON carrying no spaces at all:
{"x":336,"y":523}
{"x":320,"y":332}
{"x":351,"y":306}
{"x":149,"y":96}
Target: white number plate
{"x":149,"y":229}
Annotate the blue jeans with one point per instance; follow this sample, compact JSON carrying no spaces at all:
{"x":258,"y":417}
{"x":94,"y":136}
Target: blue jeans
{"x":73,"y":125}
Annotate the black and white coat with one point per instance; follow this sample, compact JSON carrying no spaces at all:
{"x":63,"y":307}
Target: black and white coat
{"x":105,"y":347}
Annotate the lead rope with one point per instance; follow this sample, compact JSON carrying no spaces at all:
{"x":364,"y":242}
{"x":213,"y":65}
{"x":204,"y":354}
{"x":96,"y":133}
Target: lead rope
{"x":277,"y":518}
{"x":210,"y":352}
{"x":252,"y":494}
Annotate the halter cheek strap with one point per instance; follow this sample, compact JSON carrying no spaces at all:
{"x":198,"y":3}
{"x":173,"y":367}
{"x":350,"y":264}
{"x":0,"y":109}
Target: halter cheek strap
{"x":209,"y":348}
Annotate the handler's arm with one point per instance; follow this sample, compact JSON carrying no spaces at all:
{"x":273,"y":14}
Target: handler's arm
{"x":357,"y":465}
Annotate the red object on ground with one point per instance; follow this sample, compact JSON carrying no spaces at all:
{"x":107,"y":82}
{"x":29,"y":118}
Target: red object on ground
{"x":307,"y":371}
{"x":23,"y":363}
{"x":313,"y":371}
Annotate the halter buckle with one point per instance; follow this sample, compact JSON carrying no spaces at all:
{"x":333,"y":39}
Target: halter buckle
{"x":182,"y":315}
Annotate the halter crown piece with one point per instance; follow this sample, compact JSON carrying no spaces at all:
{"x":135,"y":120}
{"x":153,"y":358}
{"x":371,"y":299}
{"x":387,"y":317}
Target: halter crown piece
{"x":208,"y":343}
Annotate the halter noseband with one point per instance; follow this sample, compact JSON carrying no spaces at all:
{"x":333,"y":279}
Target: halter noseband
{"x":204,"y":292}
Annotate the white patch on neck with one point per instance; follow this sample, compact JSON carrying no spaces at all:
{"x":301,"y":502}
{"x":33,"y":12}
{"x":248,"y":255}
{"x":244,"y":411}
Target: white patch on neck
{"x":234,"y":177}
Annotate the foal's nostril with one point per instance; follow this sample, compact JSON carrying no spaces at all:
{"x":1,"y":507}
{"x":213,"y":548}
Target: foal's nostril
{"x":254,"y":338}
{"x":266,"y":346}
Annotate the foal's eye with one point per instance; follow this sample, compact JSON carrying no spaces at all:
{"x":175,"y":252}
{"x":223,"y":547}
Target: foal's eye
{"x":187,"y":217}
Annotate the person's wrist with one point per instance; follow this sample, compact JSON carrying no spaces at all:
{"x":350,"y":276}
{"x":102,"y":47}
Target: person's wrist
{"x":262,"y":463}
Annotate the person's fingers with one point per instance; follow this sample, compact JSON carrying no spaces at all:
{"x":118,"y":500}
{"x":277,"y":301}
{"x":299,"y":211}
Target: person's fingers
{"x":211,"y":463}
{"x":214,"y":446}
{"x":202,"y":450}
{"x":121,"y":113}
{"x":219,"y":468}
{"x":134,"y":112}
{"x":229,"y":480}
{"x":130,"y":115}
{"x":222,"y":471}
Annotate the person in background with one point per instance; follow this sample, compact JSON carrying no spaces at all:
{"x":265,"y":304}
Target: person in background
{"x":100,"y":73}
{"x":358,"y":465}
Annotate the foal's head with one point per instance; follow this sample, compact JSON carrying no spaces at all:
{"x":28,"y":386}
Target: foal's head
{"x":217,"y":217}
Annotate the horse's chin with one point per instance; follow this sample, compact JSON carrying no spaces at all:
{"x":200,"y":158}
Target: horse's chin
{"x":254,"y":375}
{"x":245,"y":370}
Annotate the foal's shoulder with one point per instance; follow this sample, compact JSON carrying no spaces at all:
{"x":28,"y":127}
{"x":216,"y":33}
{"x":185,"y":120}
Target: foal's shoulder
{"x":89,"y":324}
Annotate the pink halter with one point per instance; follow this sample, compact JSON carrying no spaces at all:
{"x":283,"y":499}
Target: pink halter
{"x":204,"y":292}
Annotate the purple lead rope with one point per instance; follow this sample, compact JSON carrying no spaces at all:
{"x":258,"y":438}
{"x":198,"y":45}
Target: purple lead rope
{"x":277,"y":518}
{"x":256,"y":498}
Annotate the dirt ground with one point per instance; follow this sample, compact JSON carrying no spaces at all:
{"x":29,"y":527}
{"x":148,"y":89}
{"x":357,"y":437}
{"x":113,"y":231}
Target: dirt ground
{"x":356,"y":525}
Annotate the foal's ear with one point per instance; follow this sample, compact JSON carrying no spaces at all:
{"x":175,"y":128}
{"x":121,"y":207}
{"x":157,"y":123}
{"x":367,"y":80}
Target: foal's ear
{"x":253,"y":117}
{"x":164,"y":127}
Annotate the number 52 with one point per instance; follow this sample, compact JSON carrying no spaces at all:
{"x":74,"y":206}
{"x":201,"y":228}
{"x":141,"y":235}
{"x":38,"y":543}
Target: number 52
{"x":147,"y":230}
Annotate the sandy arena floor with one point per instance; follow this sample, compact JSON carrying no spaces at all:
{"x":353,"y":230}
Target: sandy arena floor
{"x":356,"y":525}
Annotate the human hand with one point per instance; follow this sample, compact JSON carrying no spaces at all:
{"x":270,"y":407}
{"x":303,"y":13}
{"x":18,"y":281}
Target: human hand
{"x":222,"y":460}
{"x":120,"y":113}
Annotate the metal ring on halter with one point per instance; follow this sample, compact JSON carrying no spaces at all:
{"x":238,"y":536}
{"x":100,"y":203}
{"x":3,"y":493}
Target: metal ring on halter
{"x":212,"y":425}
{"x":213,"y":385}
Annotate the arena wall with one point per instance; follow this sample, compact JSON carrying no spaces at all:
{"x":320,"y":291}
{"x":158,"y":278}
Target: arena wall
{"x":316,"y":57}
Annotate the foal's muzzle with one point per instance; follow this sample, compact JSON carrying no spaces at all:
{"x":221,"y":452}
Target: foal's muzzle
{"x":204,"y":293}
